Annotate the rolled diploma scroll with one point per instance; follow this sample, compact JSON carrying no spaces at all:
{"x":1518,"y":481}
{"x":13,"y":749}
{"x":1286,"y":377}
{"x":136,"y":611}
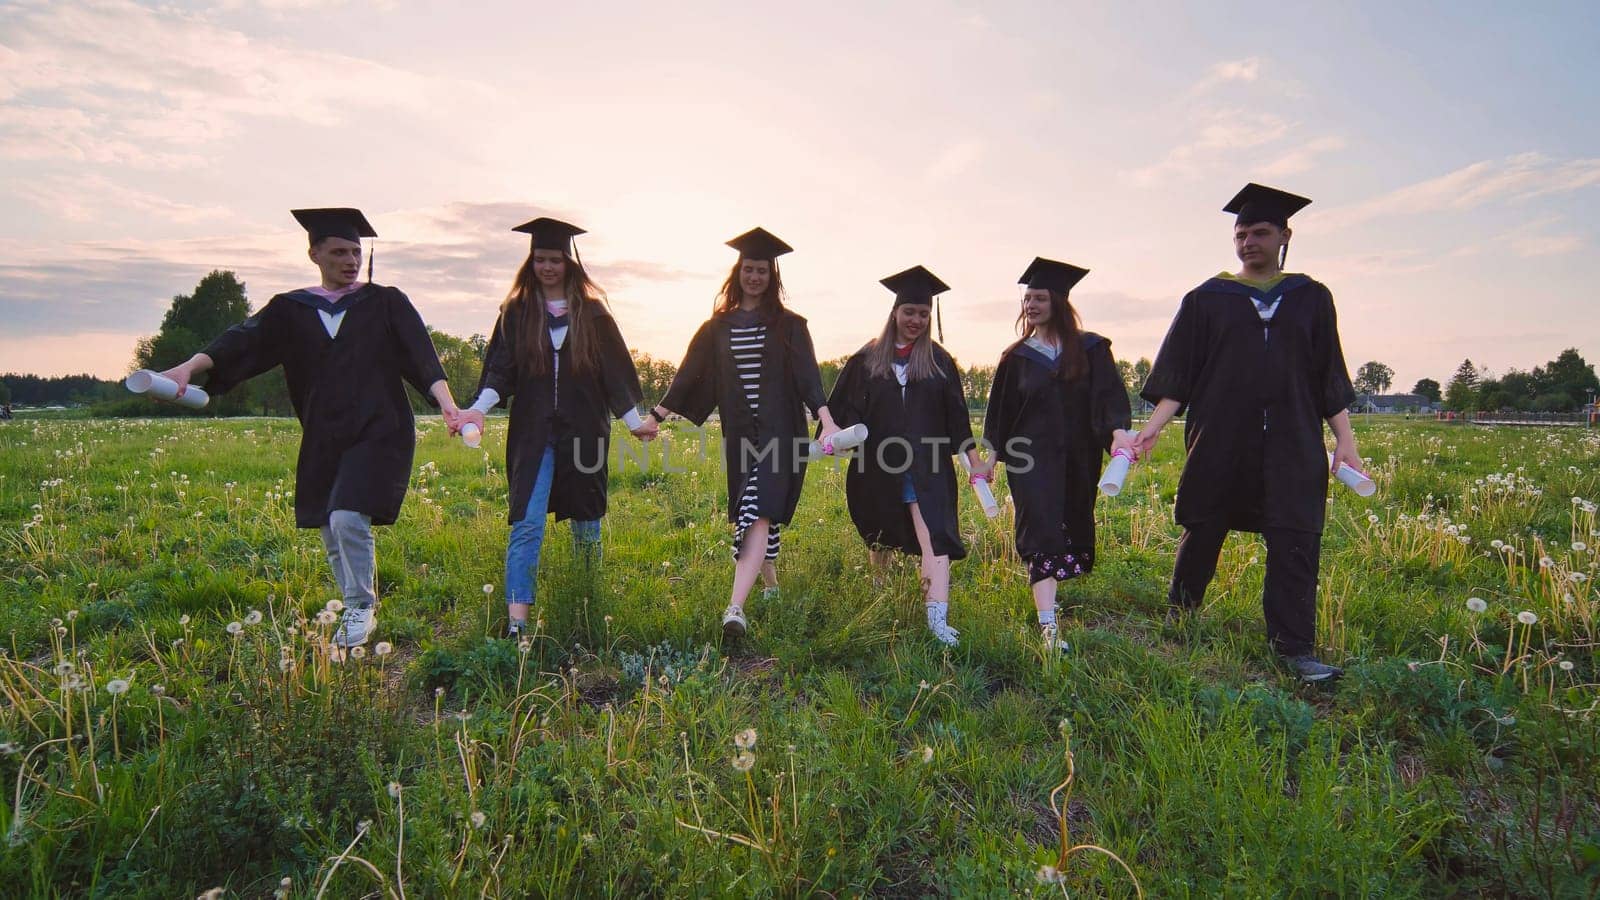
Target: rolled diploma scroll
{"x":981,"y":488}
{"x":1354,"y":479}
{"x":145,"y":381}
{"x":843,"y":439}
{"x":1116,"y":472}
{"x":471,"y":435}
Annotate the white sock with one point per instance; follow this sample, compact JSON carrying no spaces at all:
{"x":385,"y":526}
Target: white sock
{"x":1047,"y":616}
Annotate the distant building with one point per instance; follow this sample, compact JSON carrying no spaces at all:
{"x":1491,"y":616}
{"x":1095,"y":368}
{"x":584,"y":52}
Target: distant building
{"x":1393,"y":403}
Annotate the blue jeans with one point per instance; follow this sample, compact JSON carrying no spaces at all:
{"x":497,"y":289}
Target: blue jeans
{"x":527,"y":537}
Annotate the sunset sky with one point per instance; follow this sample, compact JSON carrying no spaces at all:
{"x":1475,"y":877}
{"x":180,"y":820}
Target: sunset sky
{"x":1452,"y":150}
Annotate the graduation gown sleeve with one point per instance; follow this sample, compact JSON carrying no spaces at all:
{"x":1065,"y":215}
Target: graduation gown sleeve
{"x":1108,"y":396}
{"x":1335,"y":390}
{"x":1181,"y":359}
{"x":500,"y":360}
{"x":848,"y":402}
{"x":693,"y":393}
{"x":246,"y":350}
{"x":803,"y":367}
{"x":419,"y":361}
{"x":619,"y":377}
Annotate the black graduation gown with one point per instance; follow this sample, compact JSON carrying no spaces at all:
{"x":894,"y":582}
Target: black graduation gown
{"x":768,"y":443}
{"x":357,"y":432}
{"x":1052,"y":435}
{"x":1256,"y":399}
{"x":930,"y":422}
{"x":563,"y":407}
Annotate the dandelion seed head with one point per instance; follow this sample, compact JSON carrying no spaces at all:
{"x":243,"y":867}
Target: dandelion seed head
{"x":438,"y":692}
{"x":158,"y":689}
{"x":183,"y":619}
{"x":488,"y":589}
{"x":117,"y":686}
{"x":358,"y":652}
{"x":384,"y":648}
{"x":1050,"y":875}
{"x":479,"y":819}
{"x":235,"y":627}
{"x":746,"y":739}
{"x":64,"y":668}
{"x":524,"y":645}
{"x":927,"y":755}
{"x":335,"y":605}
{"x":1477,"y":604}
{"x":1527,"y":617}
{"x":253,"y":617}
{"x":394,"y":789}
{"x":326,"y":617}
{"x":744,"y":761}
{"x":1566,"y":665}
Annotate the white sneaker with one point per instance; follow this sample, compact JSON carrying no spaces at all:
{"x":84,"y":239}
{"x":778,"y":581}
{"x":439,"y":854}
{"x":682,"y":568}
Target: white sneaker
{"x":356,"y":627}
{"x":944,"y":634}
{"x":1051,"y":640}
{"x":733,"y":624}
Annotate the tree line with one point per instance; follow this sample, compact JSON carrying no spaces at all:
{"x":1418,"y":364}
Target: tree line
{"x":1564,"y":384}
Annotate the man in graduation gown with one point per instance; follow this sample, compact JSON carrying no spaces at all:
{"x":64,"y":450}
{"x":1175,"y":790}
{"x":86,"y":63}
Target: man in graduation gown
{"x":348,"y":349}
{"x":1255,"y":359}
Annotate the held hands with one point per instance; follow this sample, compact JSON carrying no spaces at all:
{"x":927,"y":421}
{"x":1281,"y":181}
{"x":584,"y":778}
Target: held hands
{"x":647,"y":431}
{"x":1143,"y":442}
{"x":1128,"y":442}
{"x":458,"y":419}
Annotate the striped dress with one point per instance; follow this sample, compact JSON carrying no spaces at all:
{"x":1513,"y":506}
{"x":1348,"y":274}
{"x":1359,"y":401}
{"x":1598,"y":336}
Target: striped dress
{"x":749,"y":344}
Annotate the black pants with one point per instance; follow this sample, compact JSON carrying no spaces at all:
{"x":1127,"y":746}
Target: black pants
{"x":1289,"y":596}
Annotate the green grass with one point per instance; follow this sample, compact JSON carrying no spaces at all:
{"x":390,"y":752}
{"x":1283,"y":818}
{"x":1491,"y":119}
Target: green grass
{"x":1456,"y":758}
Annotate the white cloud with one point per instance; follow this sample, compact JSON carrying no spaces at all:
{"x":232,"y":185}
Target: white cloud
{"x":1515,"y":178}
{"x":1245,"y":70}
{"x":112,"y":81}
{"x":1302,"y":159}
{"x":1219,"y":135}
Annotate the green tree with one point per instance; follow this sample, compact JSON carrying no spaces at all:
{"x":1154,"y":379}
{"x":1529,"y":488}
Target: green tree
{"x":830,"y":369}
{"x":655,"y":376}
{"x":1462,"y":393}
{"x":1564,"y":383}
{"x":192,"y":320}
{"x":1427,"y":387}
{"x":979,"y":381}
{"x":1373,"y":377}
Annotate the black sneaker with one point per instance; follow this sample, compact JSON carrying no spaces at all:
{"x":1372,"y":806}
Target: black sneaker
{"x":1312,"y":670}
{"x":515,"y":629}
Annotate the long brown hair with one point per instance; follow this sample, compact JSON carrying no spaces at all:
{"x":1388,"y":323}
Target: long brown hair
{"x":1073,"y":363}
{"x":880,"y":355}
{"x":585,"y":303}
{"x":729,"y":295}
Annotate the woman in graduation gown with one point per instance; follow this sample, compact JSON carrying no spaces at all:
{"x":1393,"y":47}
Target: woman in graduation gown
{"x":753,"y":362}
{"x":1057,"y":404}
{"x":557,"y":353}
{"x":348,"y":348}
{"x":901,"y":487}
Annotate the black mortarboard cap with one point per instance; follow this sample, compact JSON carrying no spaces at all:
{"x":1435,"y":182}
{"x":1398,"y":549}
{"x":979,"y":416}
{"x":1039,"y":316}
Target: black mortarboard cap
{"x":1051,"y":275}
{"x":551,"y":234}
{"x":914,"y":285}
{"x":1259,"y":203}
{"x":759,"y":243}
{"x":340,"y":222}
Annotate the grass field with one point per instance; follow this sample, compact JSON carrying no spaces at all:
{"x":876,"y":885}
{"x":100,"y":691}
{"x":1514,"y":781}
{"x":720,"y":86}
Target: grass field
{"x":170,"y":721}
